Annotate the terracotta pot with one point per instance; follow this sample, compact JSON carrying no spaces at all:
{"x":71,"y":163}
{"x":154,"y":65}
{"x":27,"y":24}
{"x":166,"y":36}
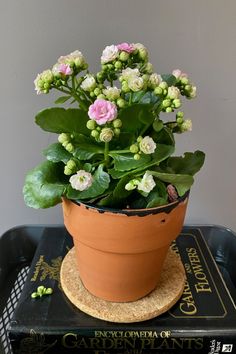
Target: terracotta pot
{"x":120,"y":253}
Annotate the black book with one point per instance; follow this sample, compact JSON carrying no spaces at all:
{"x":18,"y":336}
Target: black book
{"x":203,"y":320}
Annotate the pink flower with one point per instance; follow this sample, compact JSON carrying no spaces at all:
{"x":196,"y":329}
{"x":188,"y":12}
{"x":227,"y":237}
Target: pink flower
{"x":64,"y":69}
{"x":102,"y":111}
{"x":126,"y":47}
{"x":179,"y":74}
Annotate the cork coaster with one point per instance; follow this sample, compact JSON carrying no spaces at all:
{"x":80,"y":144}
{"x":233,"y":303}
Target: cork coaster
{"x":160,"y":300}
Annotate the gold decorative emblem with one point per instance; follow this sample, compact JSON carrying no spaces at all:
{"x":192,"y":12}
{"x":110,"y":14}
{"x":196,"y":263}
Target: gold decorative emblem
{"x":34,"y":344}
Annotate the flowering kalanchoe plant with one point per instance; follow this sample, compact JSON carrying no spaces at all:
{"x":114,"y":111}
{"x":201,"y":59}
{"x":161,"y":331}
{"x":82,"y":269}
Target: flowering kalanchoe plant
{"x":115,"y":148}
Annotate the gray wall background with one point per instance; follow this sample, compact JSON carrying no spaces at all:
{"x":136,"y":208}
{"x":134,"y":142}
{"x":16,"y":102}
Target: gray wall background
{"x":196,"y":36}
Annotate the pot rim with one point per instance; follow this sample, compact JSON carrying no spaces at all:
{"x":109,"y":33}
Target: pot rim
{"x":167,"y":208}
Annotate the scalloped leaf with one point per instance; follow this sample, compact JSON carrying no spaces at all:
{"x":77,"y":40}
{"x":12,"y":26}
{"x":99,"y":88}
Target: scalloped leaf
{"x":61,"y":120}
{"x":44,"y":185}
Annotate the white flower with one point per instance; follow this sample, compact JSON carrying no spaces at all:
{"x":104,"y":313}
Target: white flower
{"x":173,"y":92}
{"x":89,"y":83}
{"x":186,"y":126}
{"x":147,"y":145}
{"x":154,"y":80}
{"x":38,"y":83}
{"x":147,"y":183}
{"x":193,"y":92}
{"x":110,"y":53}
{"x":135,"y":83}
{"x":81,"y":181}
{"x":46,"y":77}
{"x":139,"y":46}
{"x":112,"y":93}
{"x":129,"y":73}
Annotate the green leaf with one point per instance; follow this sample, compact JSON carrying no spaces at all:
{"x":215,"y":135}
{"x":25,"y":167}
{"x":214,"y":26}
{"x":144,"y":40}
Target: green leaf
{"x":118,"y":196}
{"x":101,"y":182}
{"x":86,"y":148}
{"x":136,"y":96}
{"x":56,"y":153}
{"x":181,"y":182}
{"x":126,"y":162}
{"x":162,"y":152}
{"x":156,"y":200}
{"x":44,"y":185}
{"x":189,"y":164}
{"x":150,"y":98}
{"x":134,"y":116}
{"x":61,"y":120}
{"x":62,"y":99}
{"x":169,"y":79}
{"x":164,"y":136}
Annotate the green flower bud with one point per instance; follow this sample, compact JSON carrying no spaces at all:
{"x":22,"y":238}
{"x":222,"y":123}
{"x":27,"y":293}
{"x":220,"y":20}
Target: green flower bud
{"x":136,"y":156}
{"x":139,"y":139}
{"x":177,"y":103}
{"x":184,"y":80}
{"x":180,"y":114}
{"x":71,"y":164}
{"x":110,"y":67}
{"x":46,"y":85}
{"x":48,"y":291}
{"x":117,"y":131}
{"x":166,"y":103}
{"x":63,"y":137}
{"x":148,"y":68}
{"x":158,"y":90}
{"x":124,"y":87}
{"x":134,"y":148}
{"x":100,"y":76}
{"x":106,"y":135}
{"x":67,"y":171}
{"x":97,"y":91}
{"x":34,"y":295}
{"x":91,"y":124}
{"x":117,"y":123}
{"x":179,"y":120}
{"x":168,"y":110}
{"x":101,"y":97}
{"x":124,"y":56}
{"x":121,"y":102}
{"x":98,"y":128}
{"x":95,"y":134}
{"x":163,"y":85}
{"x":188,"y":88}
{"x":131,"y":185}
{"x":118,"y":65}
{"x":143,"y":54}
{"x":158,"y":125}
{"x":69,"y":147}
{"x":92,"y":94}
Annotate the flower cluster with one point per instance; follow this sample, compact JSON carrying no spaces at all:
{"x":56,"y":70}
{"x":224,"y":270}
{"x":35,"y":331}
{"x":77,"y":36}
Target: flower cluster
{"x":115,"y":143}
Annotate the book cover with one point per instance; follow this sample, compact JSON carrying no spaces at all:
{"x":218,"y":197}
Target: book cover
{"x":203,"y":320}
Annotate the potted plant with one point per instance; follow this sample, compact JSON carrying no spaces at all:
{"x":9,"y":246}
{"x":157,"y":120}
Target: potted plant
{"x":124,"y":193}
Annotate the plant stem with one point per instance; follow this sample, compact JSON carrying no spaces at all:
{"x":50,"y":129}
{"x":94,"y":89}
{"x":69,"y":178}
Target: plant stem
{"x":106,"y":154}
{"x":119,"y":151}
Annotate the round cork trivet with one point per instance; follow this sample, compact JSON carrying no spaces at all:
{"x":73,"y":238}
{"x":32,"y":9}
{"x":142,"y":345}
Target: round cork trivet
{"x":160,"y":300}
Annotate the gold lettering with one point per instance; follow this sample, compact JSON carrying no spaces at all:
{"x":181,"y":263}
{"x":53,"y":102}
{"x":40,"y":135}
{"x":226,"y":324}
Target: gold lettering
{"x":37,"y":268}
{"x":201,"y":287}
{"x":67,"y":340}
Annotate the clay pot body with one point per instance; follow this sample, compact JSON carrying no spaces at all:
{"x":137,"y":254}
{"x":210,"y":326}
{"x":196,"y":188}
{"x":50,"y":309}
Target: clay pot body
{"x":120,"y":254}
